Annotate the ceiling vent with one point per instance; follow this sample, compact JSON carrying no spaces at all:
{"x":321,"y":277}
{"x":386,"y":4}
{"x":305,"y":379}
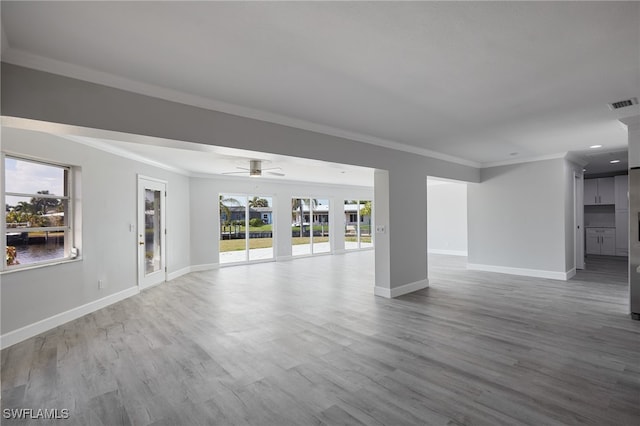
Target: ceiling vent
{"x":623,"y":104}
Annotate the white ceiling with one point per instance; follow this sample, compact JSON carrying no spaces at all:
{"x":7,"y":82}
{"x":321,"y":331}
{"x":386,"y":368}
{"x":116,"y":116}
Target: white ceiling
{"x":194,"y":160}
{"x":484,"y":82}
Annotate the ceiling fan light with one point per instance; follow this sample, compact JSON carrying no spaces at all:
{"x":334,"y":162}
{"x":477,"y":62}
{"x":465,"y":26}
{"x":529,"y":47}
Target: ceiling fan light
{"x":255,"y":168}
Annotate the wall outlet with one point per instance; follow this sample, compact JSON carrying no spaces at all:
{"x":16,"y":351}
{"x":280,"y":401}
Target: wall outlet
{"x":101,"y":284}
{"x":380,"y":229}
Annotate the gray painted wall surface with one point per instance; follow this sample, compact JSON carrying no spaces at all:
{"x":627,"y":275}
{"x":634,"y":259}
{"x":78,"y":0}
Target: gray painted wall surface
{"x":447,"y":214}
{"x":517,"y":216}
{"x":28,"y":93}
{"x":108,"y":247}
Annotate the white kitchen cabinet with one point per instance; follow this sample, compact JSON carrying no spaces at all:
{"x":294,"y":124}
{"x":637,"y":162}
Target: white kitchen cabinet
{"x":593,"y":242}
{"x":622,"y":233}
{"x":599,"y":191}
{"x":590,"y":192}
{"x":601,"y":241}
{"x":622,"y":193}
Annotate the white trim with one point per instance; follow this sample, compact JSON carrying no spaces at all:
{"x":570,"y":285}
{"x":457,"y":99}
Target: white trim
{"x":285,"y":258}
{"x":523,"y":160}
{"x":180,"y":272}
{"x":570,"y":274}
{"x":390,"y":293}
{"x":31,"y":330}
{"x":25,"y":59}
{"x":204,"y":267}
{"x":449,"y":252}
{"x":536,"y":273}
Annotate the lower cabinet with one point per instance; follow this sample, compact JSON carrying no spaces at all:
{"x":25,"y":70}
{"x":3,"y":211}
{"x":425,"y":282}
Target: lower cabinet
{"x":601,"y":241}
{"x":622,"y":233}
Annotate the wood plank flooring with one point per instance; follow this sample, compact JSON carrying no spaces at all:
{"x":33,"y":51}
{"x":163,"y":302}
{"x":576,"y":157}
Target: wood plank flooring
{"x":306,"y":343}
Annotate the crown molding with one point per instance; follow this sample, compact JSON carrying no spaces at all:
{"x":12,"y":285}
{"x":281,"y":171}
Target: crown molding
{"x":25,"y":59}
{"x":524,"y":160}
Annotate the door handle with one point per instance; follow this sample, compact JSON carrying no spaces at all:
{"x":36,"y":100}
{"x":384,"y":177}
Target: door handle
{"x":141,"y":243}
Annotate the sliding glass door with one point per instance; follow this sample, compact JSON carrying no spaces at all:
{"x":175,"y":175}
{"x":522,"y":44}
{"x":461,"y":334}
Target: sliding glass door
{"x":309,"y":226}
{"x":357,"y":228}
{"x":246,"y":228}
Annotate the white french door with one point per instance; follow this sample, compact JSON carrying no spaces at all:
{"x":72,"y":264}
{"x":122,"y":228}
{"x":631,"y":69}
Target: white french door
{"x":151,"y":232}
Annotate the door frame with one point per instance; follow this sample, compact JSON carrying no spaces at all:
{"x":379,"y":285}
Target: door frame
{"x":578,"y":224}
{"x":160,"y":276}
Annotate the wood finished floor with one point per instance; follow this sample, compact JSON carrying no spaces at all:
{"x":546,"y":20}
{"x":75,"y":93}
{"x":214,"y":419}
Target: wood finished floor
{"x":306,"y":343}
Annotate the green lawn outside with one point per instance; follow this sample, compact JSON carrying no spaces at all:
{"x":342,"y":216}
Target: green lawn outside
{"x":255,"y":243}
{"x":353,"y":239}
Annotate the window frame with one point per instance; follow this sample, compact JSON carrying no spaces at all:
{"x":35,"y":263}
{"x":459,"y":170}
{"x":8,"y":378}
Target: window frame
{"x":70,"y":253}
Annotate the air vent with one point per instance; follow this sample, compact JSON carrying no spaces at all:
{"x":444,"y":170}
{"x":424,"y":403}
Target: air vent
{"x":623,"y":104}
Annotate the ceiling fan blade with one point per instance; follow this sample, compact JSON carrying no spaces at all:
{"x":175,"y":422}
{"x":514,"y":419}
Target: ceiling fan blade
{"x":234,"y":173}
{"x":272,"y":168}
{"x":276,"y":173}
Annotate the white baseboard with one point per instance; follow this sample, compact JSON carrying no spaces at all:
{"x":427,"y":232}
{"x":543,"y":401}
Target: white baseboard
{"x":449,"y":252}
{"x":284,"y":258}
{"x":16,"y":336}
{"x":535,"y":273}
{"x":340,"y":251}
{"x":204,"y":267}
{"x":180,"y":272}
{"x":402,"y":290}
{"x":570,"y":274}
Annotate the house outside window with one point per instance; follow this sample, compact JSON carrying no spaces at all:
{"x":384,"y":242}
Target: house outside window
{"x":37,"y":222}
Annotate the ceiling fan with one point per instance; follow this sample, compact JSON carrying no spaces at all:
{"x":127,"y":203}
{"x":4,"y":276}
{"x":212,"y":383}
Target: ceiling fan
{"x":255,"y":169}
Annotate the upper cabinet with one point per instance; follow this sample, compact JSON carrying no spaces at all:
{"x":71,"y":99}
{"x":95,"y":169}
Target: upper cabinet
{"x":622,"y":192}
{"x":599,"y":191}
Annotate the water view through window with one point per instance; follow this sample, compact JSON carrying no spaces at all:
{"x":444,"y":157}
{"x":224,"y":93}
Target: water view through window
{"x":36,"y":211}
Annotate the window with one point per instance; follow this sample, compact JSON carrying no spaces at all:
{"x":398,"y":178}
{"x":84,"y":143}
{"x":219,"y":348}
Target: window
{"x":37,"y":221}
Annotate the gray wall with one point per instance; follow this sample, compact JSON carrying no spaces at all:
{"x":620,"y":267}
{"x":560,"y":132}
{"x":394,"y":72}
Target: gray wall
{"x":517,"y":216}
{"x":447,"y":218}
{"x":108,"y":247}
{"x":28,"y":93}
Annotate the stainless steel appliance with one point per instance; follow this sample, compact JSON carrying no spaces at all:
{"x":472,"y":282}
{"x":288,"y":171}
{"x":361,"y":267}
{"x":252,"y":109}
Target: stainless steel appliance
{"x":634,"y":242}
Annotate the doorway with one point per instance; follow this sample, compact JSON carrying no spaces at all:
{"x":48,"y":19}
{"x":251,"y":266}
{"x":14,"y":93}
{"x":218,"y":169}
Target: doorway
{"x":152,"y":268}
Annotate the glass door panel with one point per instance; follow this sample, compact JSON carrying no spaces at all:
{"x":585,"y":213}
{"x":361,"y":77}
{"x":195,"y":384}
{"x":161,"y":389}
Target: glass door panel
{"x":233,"y":243}
{"x":260,"y":228}
{"x":300,"y":227}
{"x":152,"y":230}
{"x":320,"y":213}
{"x":350,"y":224}
{"x":364,"y":232}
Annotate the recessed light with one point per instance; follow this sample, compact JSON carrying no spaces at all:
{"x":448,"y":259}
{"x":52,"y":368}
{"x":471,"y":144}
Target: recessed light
{"x":595,"y":146}
{"x":614,"y":161}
